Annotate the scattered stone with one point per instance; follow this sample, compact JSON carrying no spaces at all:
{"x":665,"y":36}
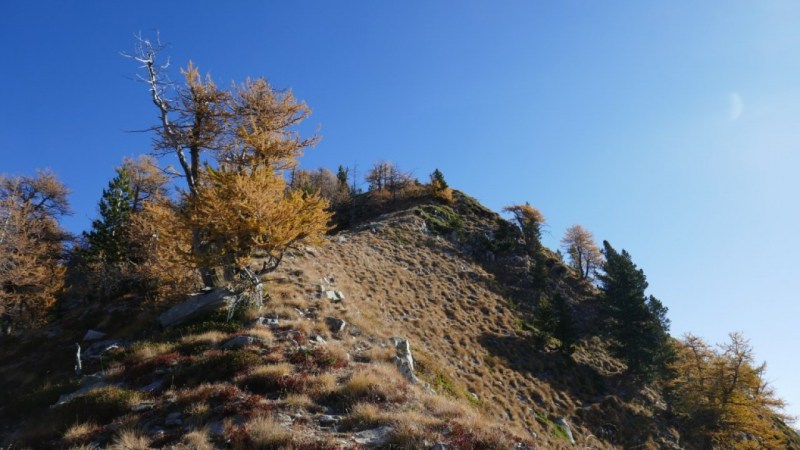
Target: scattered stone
{"x":318,"y":340}
{"x":145,"y":406}
{"x":152,"y":387}
{"x":173,"y":419}
{"x":334,"y":296}
{"x":438,"y":446}
{"x":474,"y":397}
{"x":66,"y":398}
{"x":327,"y":420}
{"x":242,"y":341}
{"x":284,"y":419}
{"x":341,"y":239}
{"x":197,"y":305}
{"x":93,"y":335}
{"x":562,"y":422}
{"x":375,"y":436}
{"x":403,"y":359}
{"x":335,"y":325}
{"x":98,"y":349}
{"x":271,"y":322}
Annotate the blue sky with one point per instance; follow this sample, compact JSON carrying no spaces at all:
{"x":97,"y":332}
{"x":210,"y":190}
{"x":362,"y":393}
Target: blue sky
{"x":668,"y":128}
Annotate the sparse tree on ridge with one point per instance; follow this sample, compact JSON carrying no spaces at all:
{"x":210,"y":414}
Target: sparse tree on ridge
{"x":247,"y":136}
{"x":584,"y":254}
{"x":530,"y":220}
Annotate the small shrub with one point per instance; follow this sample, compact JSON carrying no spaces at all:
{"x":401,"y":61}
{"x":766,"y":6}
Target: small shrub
{"x":262,"y":433}
{"x":377,"y":384}
{"x":365,"y":416}
{"x":267,"y":379}
{"x":130,"y":440}
{"x":198,"y":440}
{"x":80,"y":431}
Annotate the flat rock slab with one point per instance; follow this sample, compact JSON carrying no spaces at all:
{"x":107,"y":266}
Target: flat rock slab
{"x":374,"y":437}
{"x":196,"y":306}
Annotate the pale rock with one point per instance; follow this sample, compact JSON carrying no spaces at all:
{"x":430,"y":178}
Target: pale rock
{"x":562,"y":422}
{"x":197,"y":305}
{"x":374,"y":437}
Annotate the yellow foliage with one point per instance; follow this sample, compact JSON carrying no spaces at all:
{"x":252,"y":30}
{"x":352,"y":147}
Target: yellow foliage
{"x":31,"y":247}
{"x":724,"y":394}
{"x":241,"y":214}
{"x":161,"y":243}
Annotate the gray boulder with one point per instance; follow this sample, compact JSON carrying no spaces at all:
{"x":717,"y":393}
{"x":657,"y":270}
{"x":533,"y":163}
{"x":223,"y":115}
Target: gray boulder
{"x":374,"y":437}
{"x":196,"y":306}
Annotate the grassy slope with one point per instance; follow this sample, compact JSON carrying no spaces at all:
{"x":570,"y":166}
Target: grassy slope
{"x":449,"y":280}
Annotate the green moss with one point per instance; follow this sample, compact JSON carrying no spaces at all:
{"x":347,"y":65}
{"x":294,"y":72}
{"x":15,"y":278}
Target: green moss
{"x":440,"y":219}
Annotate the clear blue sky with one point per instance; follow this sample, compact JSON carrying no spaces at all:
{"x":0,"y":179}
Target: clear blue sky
{"x":671,"y":129}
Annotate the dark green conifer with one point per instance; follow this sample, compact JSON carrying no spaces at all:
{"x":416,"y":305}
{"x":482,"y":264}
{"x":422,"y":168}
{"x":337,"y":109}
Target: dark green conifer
{"x":437,"y":180}
{"x":106,"y":240}
{"x":637,"y":323}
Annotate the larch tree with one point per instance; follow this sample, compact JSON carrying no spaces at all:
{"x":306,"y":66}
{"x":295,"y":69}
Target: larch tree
{"x":530,"y":221}
{"x":722,"y":395}
{"x":638,"y":323}
{"x":31,"y":247}
{"x":585,"y":256}
{"x":232,"y":147}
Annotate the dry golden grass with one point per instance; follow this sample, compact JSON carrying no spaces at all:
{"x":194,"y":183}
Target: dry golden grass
{"x":322,"y":385}
{"x":365,"y":415}
{"x":271,"y":371}
{"x":296,"y":301}
{"x":197,"y":410}
{"x":130,"y":440}
{"x":264,"y":433}
{"x":198,"y":440}
{"x":304,"y":325}
{"x":411,"y":431}
{"x":80,"y":431}
{"x":261,"y":332}
{"x":281,"y":311}
{"x":145,"y":350}
{"x":377,"y":383}
{"x":298,"y":401}
{"x":209,"y":337}
{"x":445,"y":408}
{"x":379,"y":354}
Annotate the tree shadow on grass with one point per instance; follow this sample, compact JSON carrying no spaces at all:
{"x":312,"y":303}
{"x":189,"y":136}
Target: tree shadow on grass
{"x":605,"y":399}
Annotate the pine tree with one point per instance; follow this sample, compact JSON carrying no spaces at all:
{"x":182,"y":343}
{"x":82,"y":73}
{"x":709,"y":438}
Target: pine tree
{"x":637,"y":323}
{"x":107,"y":238}
{"x":437,"y":180}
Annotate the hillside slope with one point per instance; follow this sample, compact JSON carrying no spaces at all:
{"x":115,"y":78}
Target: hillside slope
{"x":324,"y":364}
